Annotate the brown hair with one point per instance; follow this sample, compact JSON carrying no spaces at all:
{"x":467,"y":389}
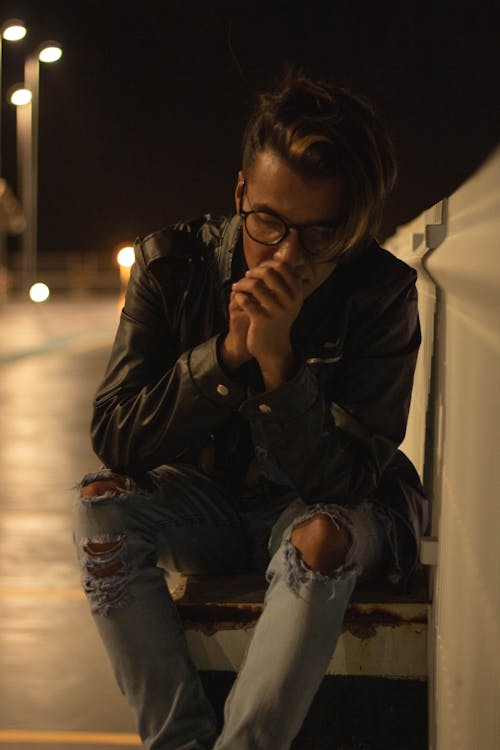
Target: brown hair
{"x":324,"y":131}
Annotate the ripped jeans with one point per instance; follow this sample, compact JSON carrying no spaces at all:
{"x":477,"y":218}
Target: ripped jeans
{"x":181,"y":520}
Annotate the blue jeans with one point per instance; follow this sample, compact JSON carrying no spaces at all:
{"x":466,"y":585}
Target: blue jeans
{"x":182,"y":521}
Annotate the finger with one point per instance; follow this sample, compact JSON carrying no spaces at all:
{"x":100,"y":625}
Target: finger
{"x":290,"y":276}
{"x":261,"y":293}
{"x":293,"y":275}
{"x":275,"y":282}
{"x":250,"y":305}
{"x":234,"y":307}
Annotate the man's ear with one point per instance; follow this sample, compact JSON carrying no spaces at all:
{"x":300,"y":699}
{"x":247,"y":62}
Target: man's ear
{"x":238,"y":193}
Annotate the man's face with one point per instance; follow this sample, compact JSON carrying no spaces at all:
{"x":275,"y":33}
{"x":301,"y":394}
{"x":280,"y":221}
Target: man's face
{"x":272,"y":186}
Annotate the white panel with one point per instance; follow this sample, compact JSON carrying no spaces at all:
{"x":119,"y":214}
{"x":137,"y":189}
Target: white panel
{"x":409,"y":244}
{"x":462,"y":270}
{"x":467,"y":477}
{"x":456,"y":250}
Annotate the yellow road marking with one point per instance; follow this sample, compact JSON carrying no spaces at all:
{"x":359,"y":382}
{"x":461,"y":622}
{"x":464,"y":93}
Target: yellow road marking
{"x":70,"y":738}
{"x":40,"y":593}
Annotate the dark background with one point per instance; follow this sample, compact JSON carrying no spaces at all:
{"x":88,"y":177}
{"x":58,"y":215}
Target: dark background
{"x":141,"y":119}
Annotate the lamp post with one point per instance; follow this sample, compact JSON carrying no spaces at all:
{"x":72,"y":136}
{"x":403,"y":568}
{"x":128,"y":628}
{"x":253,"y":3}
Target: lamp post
{"x":12,"y":31}
{"x":125,"y":257}
{"x":22,"y":99}
{"x":27,"y":138}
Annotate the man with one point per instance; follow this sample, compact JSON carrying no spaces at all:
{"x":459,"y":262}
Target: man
{"x":249,"y":419}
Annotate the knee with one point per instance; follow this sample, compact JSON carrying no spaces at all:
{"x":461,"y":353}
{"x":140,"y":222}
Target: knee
{"x":104,"y":558}
{"x":113,"y":485}
{"x":322,"y":543}
{"x":102,"y":550}
{"x":105,"y":572}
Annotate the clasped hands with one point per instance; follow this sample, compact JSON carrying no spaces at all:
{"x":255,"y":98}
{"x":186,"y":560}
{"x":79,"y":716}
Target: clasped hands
{"x":262,"y":308}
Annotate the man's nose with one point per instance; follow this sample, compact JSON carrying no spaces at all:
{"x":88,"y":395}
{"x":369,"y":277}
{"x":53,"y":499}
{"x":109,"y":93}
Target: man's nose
{"x":290,"y":250}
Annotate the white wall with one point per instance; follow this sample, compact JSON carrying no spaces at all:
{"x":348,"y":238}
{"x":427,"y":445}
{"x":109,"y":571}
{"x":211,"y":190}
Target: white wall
{"x":456,"y":248}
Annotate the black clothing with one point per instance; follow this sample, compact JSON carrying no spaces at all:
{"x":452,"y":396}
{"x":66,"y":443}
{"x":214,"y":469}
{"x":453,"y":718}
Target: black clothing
{"x":331,"y":432}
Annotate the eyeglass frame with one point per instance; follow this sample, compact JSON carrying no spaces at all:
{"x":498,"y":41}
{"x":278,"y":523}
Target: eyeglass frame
{"x":288,"y":226}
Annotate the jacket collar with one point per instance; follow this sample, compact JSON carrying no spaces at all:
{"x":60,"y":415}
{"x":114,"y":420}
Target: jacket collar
{"x":225,"y":250}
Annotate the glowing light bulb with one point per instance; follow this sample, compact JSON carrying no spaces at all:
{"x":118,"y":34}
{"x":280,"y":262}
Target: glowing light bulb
{"x":39,"y":292}
{"x":126,"y":257}
{"x":20,"y":96}
{"x":14,"y":30}
{"x":51,"y":53}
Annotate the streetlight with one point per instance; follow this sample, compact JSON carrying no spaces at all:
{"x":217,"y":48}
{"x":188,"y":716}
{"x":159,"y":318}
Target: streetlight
{"x":125,"y":257}
{"x":19,"y":95}
{"x":50,"y":52}
{"x":39,"y":292}
{"x":12,"y":31}
{"x":27,"y":139}
{"x":22,"y":98}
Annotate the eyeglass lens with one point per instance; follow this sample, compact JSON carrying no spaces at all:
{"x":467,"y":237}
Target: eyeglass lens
{"x":270,"y":229}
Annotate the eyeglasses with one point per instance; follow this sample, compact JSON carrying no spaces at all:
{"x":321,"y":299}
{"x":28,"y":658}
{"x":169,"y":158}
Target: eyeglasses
{"x":268,"y":228}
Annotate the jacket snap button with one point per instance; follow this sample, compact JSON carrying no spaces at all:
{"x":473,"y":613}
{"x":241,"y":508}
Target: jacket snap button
{"x":265,"y":409}
{"x":222,"y":390}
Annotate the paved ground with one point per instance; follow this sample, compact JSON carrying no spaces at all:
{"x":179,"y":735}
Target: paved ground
{"x":56,"y":689}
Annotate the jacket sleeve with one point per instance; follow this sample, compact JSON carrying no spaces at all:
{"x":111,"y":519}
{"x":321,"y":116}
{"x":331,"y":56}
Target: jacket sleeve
{"x":334,"y":437}
{"x":155,"y":403}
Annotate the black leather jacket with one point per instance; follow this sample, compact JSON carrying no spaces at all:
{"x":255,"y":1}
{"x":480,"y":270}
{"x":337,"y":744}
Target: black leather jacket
{"x":331,"y":432}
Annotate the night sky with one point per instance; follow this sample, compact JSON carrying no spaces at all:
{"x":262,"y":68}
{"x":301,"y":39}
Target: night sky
{"x":141,"y":119}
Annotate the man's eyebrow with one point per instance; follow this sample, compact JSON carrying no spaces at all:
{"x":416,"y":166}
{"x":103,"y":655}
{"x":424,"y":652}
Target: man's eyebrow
{"x":323,"y":223}
{"x":265,"y":207}
{"x":268,"y":209}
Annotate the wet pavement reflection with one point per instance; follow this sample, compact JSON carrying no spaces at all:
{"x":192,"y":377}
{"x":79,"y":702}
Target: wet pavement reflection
{"x":56,"y":687}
